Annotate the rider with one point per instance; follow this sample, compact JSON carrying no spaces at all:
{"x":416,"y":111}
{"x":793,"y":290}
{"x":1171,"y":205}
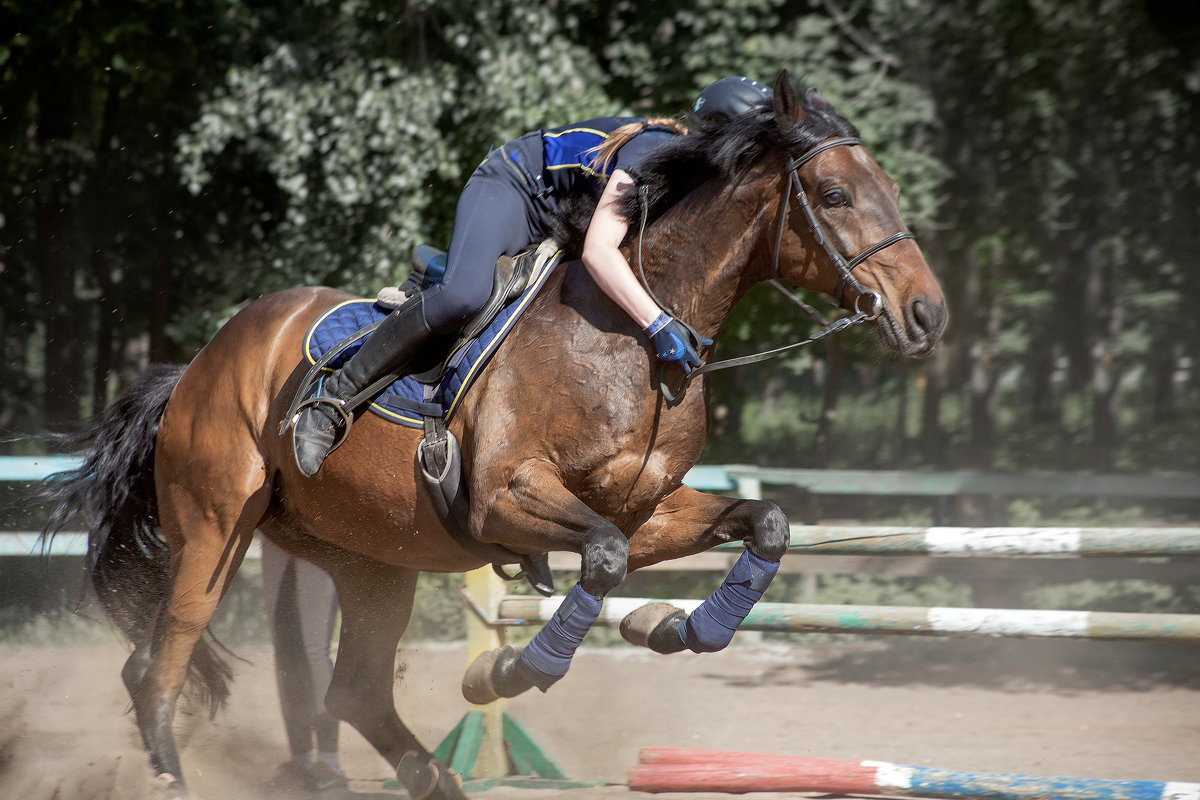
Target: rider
{"x":508,"y":203}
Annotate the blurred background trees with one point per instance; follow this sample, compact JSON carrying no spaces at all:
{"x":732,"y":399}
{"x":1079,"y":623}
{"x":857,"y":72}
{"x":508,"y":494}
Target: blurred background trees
{"x":164,"y":163}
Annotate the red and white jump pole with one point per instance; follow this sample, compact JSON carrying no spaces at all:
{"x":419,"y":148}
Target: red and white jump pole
{"x":672,"y":769}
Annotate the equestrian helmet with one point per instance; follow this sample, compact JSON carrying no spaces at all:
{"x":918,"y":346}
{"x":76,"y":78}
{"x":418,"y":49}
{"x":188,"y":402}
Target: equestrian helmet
{"x":729,"y":97}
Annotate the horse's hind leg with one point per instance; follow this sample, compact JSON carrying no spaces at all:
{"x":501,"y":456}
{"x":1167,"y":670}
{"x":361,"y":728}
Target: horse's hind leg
{"x":208,"y":513}
{"x":377,"y":601}
{"x":156,"y":671}
{"x":202,"y":569}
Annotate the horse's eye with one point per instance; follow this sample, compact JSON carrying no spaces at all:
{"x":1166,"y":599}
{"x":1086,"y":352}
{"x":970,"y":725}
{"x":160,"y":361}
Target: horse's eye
{"x":836,"y":197}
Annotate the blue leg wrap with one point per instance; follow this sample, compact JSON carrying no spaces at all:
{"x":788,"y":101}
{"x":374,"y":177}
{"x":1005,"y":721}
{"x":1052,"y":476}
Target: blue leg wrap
{"x":547,"y":658}
{"x":711,"y":626}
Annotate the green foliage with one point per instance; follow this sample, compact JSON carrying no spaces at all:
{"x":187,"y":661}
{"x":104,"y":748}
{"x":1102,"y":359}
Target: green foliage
{"x":438,"y":613}
{"x":358,"y":150}
{"x":347,"y":153}
{"x":163,"y":168}
{"x":1149,"y":597}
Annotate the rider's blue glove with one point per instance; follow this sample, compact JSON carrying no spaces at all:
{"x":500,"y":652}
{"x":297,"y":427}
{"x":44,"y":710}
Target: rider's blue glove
{"x":673,"y":342}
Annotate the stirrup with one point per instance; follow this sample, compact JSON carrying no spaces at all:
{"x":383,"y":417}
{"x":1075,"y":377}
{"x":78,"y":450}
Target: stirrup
{"x":535,"y":569}
{"x":341,"y":426}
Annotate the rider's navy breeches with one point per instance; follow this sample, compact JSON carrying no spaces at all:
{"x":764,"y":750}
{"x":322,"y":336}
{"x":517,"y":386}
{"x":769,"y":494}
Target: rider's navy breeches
{"x":499,"y":213}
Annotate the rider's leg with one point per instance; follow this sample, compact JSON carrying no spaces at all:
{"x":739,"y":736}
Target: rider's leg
{"x":389,"y":348}
{"x":495,"y":216}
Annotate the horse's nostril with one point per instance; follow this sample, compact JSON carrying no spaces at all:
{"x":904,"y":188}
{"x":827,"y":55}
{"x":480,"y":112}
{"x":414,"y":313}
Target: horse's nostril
{"x":926,"y":316}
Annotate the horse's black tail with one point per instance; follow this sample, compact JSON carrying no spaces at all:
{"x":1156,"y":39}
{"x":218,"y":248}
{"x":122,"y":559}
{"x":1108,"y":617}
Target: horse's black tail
{"x":112,"y":495}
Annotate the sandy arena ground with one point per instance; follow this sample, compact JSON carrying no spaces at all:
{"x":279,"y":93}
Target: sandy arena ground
{"x":1084,"y":709}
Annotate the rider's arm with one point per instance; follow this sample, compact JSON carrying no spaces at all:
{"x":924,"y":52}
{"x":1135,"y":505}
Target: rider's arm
{"x":602,"y":254}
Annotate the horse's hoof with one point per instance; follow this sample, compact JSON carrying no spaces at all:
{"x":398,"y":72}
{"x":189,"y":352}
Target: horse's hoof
{"x":479,"y":681}
{"x":169,"y":787}
{"x":477,"y":686}
{"x":654,"y":625}
{"x":493,"y":675}
{"x":428,"y":780}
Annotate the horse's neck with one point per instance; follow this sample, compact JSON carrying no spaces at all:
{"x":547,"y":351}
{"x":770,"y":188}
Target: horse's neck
{"x":704,"y":254}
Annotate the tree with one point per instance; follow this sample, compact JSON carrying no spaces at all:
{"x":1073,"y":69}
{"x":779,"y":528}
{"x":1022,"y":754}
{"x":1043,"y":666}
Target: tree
{"x":92,"y":96}
{"x":362,"y":153}
{"x":163,"y":167}
{"x":1066,"y":119}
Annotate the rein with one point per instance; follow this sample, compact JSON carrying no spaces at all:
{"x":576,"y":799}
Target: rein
{"x":845,"y":269}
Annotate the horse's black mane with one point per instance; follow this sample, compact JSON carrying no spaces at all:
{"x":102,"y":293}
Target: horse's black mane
{"x":723,"y":148}
{"x":726,"y":148}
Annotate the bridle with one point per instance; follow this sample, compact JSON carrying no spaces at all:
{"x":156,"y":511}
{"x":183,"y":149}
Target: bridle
{"x":874,"y":306}
{"x":844,"y":268}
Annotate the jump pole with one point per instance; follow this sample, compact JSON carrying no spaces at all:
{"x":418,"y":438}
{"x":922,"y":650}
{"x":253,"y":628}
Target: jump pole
{"x":990,"y":542}
{"x":899,"y":620}
{"x":668,"y":769}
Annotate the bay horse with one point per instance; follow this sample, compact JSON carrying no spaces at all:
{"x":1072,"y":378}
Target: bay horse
{"x":566,"y":441}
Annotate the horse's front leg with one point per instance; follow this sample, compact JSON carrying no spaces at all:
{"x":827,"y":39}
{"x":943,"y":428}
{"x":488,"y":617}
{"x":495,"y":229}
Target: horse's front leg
{"x":688,"y":522}
{"x":549,"y":517}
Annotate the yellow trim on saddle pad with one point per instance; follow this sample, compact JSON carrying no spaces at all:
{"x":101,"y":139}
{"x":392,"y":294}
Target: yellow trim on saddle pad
{"x":541,"y":272}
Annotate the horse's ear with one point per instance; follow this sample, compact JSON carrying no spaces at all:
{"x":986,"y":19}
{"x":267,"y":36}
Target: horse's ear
{"x":788,"y":111}
{"x":817,"y":100}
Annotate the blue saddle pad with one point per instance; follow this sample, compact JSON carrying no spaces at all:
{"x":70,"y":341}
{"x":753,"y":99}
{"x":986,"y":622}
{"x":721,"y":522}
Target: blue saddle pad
{"x":408,"y":401}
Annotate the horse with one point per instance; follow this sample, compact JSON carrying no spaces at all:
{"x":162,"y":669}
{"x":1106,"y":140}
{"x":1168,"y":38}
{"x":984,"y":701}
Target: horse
{"x":567,"y":443}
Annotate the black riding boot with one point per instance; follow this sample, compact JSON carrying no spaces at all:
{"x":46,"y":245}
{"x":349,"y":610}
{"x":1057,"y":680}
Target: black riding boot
{"x":389,"y":348}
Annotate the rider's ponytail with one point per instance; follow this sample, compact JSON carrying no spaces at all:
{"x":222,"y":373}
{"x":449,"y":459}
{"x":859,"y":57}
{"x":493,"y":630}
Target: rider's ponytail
{"x":606,"y":151}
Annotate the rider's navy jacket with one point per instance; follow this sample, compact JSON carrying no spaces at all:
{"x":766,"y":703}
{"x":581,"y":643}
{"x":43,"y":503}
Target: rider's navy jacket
{"x":570,"y":156}
{"x":556,"y":163}
{"x":513,"y":198}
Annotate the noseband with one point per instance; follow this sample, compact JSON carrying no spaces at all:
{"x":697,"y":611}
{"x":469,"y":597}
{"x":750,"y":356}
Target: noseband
{"x":874,"y":303}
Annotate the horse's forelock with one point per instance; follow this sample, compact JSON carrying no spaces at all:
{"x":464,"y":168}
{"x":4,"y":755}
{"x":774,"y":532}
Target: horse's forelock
{"x":821,"y":123}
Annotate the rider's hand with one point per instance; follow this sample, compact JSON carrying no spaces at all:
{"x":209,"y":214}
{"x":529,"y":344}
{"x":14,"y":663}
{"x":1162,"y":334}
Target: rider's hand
{"x":673,"y":342}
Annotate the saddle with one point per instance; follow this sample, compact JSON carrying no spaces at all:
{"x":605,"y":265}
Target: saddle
{"x":429,"y":265}
{"x":446,"y":372}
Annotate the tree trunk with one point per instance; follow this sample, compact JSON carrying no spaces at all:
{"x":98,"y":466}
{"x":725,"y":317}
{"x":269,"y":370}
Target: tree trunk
{"x":984,"y":369}
{"x":107,"y":310}
{"x":1103,"y":332}
{"x":160,"y":309}
{"x":55,"y":253}
{"x":56,"y":269}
